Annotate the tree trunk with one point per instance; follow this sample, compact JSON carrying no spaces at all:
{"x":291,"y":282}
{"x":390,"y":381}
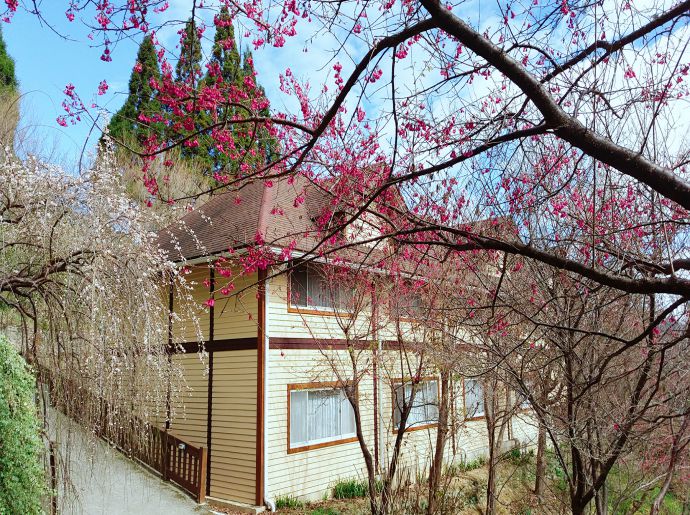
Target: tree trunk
{"x":541,"y":461}
{"x":441,"y":434}
{"x":490,"y":416}
{"x":491,"y":481}
{"x":601,"y":501}
{"x":676,"y":449}
{"x":52,"y":455}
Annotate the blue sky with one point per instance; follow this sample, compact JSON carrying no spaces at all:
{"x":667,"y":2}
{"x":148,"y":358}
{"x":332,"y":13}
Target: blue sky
{"x":46,"y":62}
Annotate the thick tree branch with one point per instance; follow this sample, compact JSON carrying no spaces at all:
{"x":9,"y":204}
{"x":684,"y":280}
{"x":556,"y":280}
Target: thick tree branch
{"x":628,"y":162}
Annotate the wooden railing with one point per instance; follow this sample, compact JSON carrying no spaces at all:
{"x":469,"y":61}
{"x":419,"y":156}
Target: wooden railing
{"x":174,"y":459}
{"x":185,"y":465}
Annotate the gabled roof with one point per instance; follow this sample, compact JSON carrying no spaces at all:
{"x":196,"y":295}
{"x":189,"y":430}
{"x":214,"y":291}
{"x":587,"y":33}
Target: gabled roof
{"x":279,"y":212}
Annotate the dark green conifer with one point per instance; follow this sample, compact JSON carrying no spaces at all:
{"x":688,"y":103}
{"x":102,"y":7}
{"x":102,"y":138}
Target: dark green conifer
{"x":127,"y":125}
{"x":188,"y":69}
{"x":8,"y":79}
{"x":224,"y":51}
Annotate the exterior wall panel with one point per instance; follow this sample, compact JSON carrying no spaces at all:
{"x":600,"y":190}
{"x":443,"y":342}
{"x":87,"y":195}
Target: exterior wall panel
{"x":233,"y":430}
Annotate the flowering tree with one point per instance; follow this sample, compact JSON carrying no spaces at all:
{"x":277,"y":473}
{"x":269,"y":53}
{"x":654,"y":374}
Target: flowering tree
{"x":501,"y":119}
{"x":555,"y":123}
{"x":80,"y":269}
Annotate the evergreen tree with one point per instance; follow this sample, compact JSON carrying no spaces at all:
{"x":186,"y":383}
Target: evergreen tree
{"x":265,"y":144}
{"x":188,"y":69}
{"x":130,"y":125}
{"x":228,"y":72}
{"x":8,"y":80}
{"x":9,"y":97}
{"x":188,"y":73}
{"x":224,"y":52}
{"x":224,"y":73}
{"x":22,"y":480}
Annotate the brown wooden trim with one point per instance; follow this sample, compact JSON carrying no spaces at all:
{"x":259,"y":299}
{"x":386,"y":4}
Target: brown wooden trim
{"x":319,"y":312}
{"x":201,"y":498}
{"x":217,"y":345}
{"x":322,"y":445}
{"x":317,"y":385}
{"x":260,"y":394}
{"x":403,"y":381}
{"x":209,"y":407}
{"x":280,"y":343}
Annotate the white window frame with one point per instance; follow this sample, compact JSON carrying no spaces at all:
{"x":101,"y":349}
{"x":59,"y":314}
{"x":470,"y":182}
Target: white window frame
{"x":311,"y":443}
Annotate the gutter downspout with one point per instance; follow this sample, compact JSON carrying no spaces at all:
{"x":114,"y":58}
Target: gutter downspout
{"x":268,"y":500}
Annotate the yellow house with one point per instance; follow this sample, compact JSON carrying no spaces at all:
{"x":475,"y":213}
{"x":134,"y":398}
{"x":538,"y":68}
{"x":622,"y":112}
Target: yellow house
{"x":267,"y":402}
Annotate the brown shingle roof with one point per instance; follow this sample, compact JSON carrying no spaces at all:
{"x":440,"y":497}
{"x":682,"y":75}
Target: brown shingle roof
{"x":280,"y":213}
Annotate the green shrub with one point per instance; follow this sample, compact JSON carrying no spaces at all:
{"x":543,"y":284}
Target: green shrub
{"x":22,"y":479}
{"x":518,"y":457}
{"x":288,"y":501}
{"x":350,"y":489}
{"x":465,"y":466}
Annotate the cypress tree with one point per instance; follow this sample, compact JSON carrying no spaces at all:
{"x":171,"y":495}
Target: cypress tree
{"x":188,"y":72}
{"x":224,"y":52}
{"x":265,"y":144}
{"x":127,"y":125}
{"x":224,"y":72}
{"x":8,"y":79}
{"x":188,"y":68}
{"x":9,"y":101}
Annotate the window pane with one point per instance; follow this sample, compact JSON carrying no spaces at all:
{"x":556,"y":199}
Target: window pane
{"x":347,"y":415}
{"x":311,"y":288}
{"x":324,"y":414}
{"x":318,"y":416}
{"x":298,"y":421}
{"x":474,"y":398}
{"x":298,"y":287}
{"x":424,"y":408}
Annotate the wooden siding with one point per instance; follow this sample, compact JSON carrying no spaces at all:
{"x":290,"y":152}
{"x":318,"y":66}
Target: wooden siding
{"x":189,"y":415}
{"x":191,"y":315}
{"x":310,"y":473}
{"x":233,"y":429}
{"x":288,"y":323}
{"x":236,"y":316}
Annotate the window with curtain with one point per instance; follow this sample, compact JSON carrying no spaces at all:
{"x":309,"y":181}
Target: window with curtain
{"x":311,"y":289}
{"x":424,"y":410}
{"x":522,"y":400}
{"x":406,"y":304}
{"x":320,"y":415}
{"x":474,"y":399}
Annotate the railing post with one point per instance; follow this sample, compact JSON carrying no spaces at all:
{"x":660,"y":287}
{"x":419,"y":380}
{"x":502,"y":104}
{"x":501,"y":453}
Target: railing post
{"x":164,"y":456}
{"x":201,"y":498}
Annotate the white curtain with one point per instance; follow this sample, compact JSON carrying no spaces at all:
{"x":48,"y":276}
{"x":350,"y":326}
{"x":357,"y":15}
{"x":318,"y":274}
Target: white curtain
{"x":299,"y":422}
{"x":474,"y":398}
{"x":319,"y":416}
{"x":424,"y":407}
{"x":310,"y":289}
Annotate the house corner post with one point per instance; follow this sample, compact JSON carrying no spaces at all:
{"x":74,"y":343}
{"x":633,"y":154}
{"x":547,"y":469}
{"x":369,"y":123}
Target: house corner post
{"x":260,"y":387}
